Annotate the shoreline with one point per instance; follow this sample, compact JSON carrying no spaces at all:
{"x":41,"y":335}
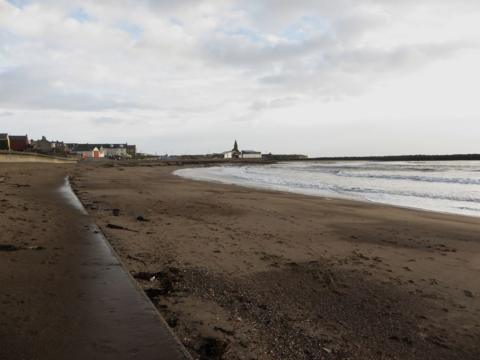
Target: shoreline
{"x":205,"y":243}
{"x":327,"y":198}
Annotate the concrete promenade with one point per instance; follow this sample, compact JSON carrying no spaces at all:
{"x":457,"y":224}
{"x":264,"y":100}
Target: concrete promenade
{"x":64,"y":294}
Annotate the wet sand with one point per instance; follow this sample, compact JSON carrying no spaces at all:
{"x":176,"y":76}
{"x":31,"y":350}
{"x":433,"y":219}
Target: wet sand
{"x":246,"y":274}
{"x":63,"y":293}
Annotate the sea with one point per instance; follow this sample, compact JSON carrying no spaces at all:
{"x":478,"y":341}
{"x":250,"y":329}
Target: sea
{"x":441,"y":186}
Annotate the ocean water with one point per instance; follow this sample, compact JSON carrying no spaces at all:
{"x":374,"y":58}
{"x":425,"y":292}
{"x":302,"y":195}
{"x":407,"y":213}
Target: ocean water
{"x":446,"y":186}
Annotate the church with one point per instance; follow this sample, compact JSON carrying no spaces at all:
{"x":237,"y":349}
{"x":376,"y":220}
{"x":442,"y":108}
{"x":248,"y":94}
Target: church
{"x":244,"y":154}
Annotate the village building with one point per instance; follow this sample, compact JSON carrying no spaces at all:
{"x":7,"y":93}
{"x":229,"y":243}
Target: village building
{"x":98,"y":153}
{"x":244,"y":154}
{"x":111,"y":151}
{"x":4,"y":142}
{"x":251,"y":154}
{"x":59,"y":147}
{"x":42,"y":145}
{"x":234,"y":153}
{"x":132,"y":150}
{"x":87,"y":151}
{"x":19,"y":142}
{"x":115,"y":150}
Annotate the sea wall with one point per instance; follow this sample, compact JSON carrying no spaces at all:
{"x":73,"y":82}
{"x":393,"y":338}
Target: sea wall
{"x":16,"y":157}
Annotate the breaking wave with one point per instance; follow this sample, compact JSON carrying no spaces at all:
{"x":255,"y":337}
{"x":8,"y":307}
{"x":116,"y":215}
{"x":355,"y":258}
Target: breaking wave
{"x":449,"y":186}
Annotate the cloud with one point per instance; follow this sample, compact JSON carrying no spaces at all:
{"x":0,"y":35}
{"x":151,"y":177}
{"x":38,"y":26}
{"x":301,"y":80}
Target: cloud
{"x":197,"y":64}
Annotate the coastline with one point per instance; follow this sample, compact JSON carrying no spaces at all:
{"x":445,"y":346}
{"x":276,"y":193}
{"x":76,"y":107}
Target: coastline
{"x":220,"y":252}
{"x":328,"y":198}
{"x":272,"y":188}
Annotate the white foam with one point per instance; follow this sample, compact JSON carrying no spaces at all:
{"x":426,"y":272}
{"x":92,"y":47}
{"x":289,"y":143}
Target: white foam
{"x":447,"y":186}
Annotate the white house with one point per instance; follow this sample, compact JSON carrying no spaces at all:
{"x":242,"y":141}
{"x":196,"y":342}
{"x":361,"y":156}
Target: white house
{"x":114,"y":150}
{"x":251,"y":154}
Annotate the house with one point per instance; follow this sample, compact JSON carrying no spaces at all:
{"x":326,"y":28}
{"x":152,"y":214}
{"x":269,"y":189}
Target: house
{"x":87,"y":151}
{"x":42,"y":145}
{"x":19,"y":143}
{"x":244,"y":154}
{"x":109,"y":150}
{"x":98,"y":153}
{"x":4,"y":142}
{"x":59,"y":147}
{"x":132,"y":150}
{"x":234,"y":153}
{"x":251,"y":154}
{"x":114,"y":150}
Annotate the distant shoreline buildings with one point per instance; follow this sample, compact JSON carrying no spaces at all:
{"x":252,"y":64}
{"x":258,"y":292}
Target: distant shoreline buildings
{"x":244,"y":154}
{"x":21,"y":143}
{"x":118,"y":151}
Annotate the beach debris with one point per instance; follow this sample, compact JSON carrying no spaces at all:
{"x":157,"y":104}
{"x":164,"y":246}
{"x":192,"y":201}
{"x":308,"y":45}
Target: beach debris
{"x":172,"y":320}
{"x":224,"y":331}
{"x":212,"y":348}
{"x":165,"y":280}
{"x":327,"y":350}
{"x":468,"y":293}
{"x":116,"y":212}
{"x":153,"y":293}
{"x":147,"y":276}
{"x":37,"y":248}
{"x":8,"y":247}
{"x":135,"y":259}
{"x":141,"y":218}
{"x":118,"y":227}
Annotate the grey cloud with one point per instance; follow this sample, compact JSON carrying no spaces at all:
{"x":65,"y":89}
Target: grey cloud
{"x":27,"y":88}
{"x":260,"y":105}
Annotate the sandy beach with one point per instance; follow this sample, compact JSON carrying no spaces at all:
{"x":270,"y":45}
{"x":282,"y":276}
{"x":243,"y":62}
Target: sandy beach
{"x":246,"y":274}
{"x":239,"y":273}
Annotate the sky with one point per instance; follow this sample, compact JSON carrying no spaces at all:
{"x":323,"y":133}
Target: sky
{"x":318,"y":77}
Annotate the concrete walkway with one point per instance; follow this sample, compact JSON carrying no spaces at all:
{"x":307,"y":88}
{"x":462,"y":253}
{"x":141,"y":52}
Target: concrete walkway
{"x":73,"y":299}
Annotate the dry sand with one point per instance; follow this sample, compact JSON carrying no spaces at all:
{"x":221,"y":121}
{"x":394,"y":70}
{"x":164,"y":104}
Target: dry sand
{"x":246,"y":274}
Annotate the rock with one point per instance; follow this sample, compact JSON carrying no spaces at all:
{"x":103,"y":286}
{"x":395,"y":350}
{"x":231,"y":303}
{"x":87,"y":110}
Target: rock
{"x":212,"y":348}
{"x":468,"y":293}
{"x":141,"y":218}
{"x":116,"y":212}
{"x":36,"y":248}
{"x":225,"y":331}
{"x":148,"y":275}
{"x":8,"y":247}
{"x":153,"y":293}
{"x":118,"y":227}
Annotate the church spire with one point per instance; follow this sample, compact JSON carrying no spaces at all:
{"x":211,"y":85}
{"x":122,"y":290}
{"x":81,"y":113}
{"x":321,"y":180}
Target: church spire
{"x":235,"y":146}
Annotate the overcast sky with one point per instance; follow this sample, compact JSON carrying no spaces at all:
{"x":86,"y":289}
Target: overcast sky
{"x":320,"y":77}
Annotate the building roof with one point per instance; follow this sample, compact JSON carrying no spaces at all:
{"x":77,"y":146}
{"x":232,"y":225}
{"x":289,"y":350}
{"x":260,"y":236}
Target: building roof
{"x":250,"y":152}
{"x":18,"y":138}
{"x":90,"y":147}
{"x":83,"y":147}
